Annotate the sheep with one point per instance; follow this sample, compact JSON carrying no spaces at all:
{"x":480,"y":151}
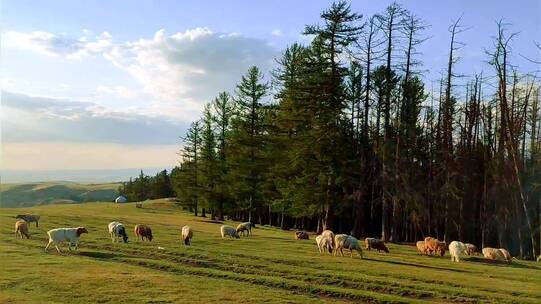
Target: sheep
{"x":187,"y":235}
{"x":323,"y":244}
{"x":143,"y":231}
{"x":301,"y":235}
{"x":421,"y":247}
{"x":60,"y":235}
{"x":329,"y":236}
{"x":226,"y":230}
{"x":247,"y":226}
{"x":29,"y":218}
{"x":377,"y":244}
{"x":506,"y":255}
{"x":497,"y":254}
{"x":434,"y":246}
{"x":117,"y":230}
{"x":539,"y":259}
{"x":342,"y":241}
{"x":471,"y":249}
{"x":457,"y":248}
{"x":21,"y":229}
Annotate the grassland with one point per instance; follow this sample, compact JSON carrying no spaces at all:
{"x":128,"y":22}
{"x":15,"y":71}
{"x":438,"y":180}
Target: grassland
{"x":269,"y":267}
{"x":31,"y":194}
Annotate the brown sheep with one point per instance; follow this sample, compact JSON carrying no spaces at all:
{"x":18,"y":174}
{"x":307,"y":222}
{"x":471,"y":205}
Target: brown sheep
{"x":29,"y":218}
{"x":301,"y":235}
{"x":21,"y":229}
{"x":143,"y":231}
{"x":421,"y":247}
{"x":435,"y":246}
{"x":379,"y":245}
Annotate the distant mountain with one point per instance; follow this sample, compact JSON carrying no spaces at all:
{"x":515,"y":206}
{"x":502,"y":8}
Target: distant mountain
{"x":31,"y":194}
{"x":78,"y":176}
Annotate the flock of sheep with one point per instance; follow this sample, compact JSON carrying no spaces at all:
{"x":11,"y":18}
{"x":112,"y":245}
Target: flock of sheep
{"x":327,"y":241}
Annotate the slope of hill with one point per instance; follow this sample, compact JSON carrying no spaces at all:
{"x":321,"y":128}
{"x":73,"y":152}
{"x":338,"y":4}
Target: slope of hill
{"x":268,"y":267}
{"x":26,"y":195}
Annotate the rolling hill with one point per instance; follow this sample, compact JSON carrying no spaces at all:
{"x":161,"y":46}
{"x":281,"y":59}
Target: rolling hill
{"x":268,"y":267}
{"x":31,"y":194}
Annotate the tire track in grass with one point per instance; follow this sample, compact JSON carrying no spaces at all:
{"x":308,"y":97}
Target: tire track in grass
{"x":345,"y":283}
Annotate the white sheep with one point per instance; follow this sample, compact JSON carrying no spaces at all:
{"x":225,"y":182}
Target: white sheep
{"x":60,"y":235}
{"x":247,"y":226}
{"x":342,"y":241}
{"x":117,"y":230}
{"x":497,"y":254}
{"x":456,"y":249}
{"x":506,"y":255}
{"x":329,"y":236}
{"x":472,"y":249}
{"x":229,"y":231}
{"x":187,"y":235}
{"x":323,"y":244}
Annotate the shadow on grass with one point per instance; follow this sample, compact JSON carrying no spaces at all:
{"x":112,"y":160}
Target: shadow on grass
{"x":210,"y":221}
{"x":100,"y":255}
{"x":500,"y":263}
{"x":416,"y":265}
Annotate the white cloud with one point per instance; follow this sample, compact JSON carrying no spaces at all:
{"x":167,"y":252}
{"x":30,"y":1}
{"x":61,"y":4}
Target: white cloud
{"x":181,"y":70}
{"x":53,"y":45}
{"x":26,"y":118}
{"x":118,"y":91}
{"x":277,"y":33}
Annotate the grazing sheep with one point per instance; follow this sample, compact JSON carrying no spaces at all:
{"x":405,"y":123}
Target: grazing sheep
{"x":506,"y":255}
{"x":117,"y":230}
{"x":471,"y":249}
{"x":29,"y":218}
{"x":247,"y":226}
{"x":323,"y":244}
{"x":21,"y":229}
{"x":342,"y":241}
{"x":60,"y":235}
{"x":435,"y":246}
{"x":143,"y":231}
{"x":187,"y":235}
{"x":496,"y":254}
{"x":373,"y":243}
{"x":301,"y":235}
{"x":329,"y":236}
{"x":421,"y":247}
{"x":139,"y":205}
{"x":456,"y":249}
{"x":226,"y":230}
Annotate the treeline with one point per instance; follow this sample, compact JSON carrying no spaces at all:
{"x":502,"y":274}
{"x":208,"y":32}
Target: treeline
{"x":146,"y":187}
{"x":346,"y":135}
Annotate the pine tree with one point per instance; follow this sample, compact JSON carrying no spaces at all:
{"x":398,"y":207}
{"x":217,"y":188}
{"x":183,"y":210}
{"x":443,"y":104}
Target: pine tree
{"x":246,"y":143}
{"x":224,"y":110}
{"x":191,"y":153}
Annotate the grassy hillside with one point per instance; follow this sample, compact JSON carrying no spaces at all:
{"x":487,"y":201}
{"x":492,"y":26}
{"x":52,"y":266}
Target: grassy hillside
{"x":26,"y":195}
{"x":269,"y":267}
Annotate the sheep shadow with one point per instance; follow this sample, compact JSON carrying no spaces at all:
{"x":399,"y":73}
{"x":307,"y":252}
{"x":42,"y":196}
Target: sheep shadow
{"x":415,"y":265}
{"x":498,"y":263}
{"x":100,"y":255}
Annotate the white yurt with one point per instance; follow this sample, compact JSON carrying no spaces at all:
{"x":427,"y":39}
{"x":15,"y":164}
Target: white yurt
{"x":121,"y":199}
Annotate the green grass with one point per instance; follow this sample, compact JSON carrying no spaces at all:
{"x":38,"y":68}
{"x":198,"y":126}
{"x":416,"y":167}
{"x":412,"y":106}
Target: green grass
{"x":31,"y":194}
{"x":269,"y":267}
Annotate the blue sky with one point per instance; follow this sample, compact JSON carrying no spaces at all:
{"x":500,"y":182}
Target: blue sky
{"x":111,"y":78}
